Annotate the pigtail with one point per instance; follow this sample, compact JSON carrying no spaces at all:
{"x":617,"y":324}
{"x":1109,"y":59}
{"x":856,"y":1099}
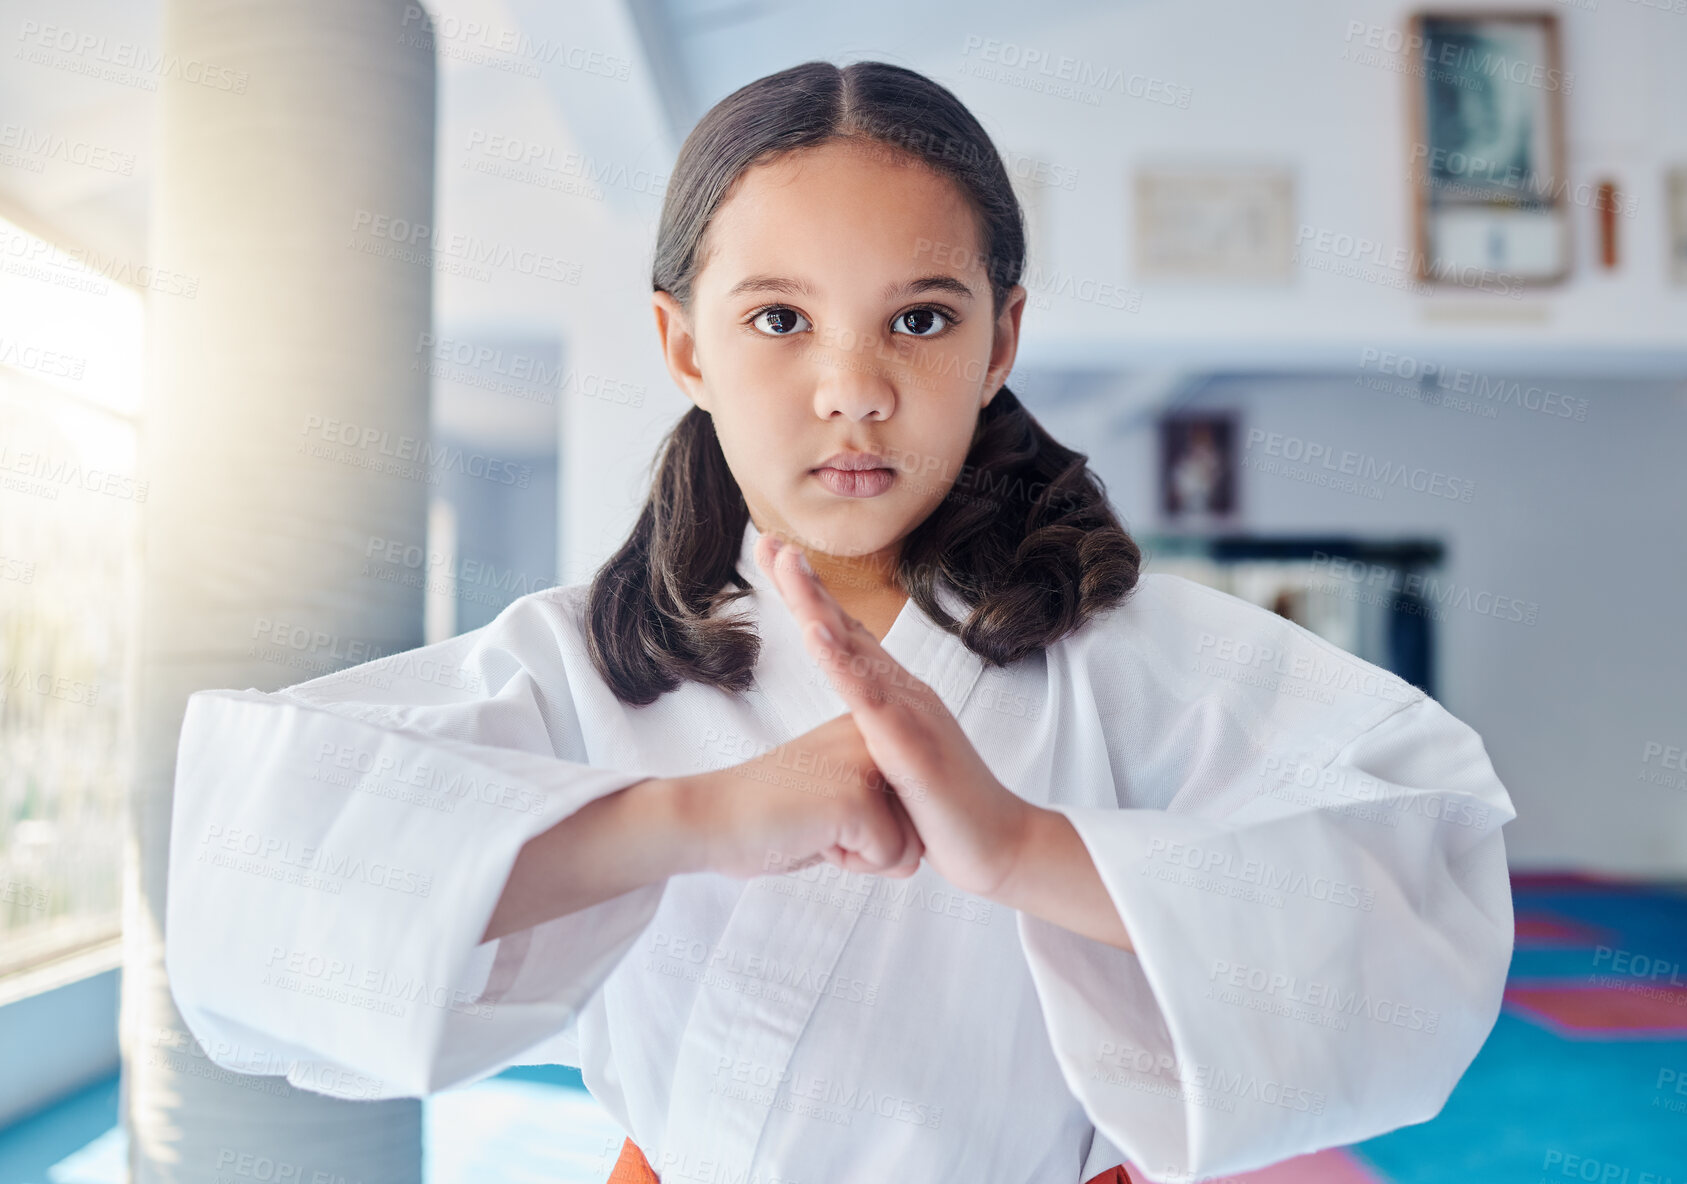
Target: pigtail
{"x":1025,"y":536}
{"x":653,"y":611}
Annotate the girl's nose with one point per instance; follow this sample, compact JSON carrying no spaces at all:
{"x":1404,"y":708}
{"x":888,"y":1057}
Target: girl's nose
{"x":856,"y":395}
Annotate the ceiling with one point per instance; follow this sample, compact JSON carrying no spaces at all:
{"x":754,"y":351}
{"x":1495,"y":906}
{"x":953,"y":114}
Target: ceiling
{"x":60,"y":120}
{"x":76,"y":151}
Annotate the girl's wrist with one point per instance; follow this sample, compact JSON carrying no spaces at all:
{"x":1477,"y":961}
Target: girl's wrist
{"x":1020,"y":844}
{"x":685,"y":810}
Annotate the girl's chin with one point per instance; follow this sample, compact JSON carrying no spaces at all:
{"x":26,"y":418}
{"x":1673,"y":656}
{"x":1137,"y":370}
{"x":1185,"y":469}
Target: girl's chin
{"x":841,"y":526}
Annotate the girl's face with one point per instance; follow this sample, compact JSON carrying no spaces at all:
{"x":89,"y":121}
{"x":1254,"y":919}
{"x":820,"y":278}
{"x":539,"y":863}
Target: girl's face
{"x":842,"y":306}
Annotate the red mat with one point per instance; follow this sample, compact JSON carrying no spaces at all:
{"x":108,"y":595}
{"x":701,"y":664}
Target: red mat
{"x":1539,"y":928}
{"x":1609,"y":1010}
{"x":1335,"y":1166}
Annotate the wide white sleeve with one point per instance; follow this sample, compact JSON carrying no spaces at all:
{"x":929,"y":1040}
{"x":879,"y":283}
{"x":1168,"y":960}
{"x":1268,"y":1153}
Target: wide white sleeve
{"x":337,"y":849}
{"x":1320,"y":947}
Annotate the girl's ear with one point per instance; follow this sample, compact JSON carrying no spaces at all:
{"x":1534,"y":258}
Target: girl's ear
{"x":1005,"y":343}
{"x":679,"y":347}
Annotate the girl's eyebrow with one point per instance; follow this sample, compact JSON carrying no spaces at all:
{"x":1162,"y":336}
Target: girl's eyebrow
{"x":790,"y":287}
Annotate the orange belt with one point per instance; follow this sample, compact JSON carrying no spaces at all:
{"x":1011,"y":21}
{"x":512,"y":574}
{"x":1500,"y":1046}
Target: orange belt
{"x":633,"y":1168}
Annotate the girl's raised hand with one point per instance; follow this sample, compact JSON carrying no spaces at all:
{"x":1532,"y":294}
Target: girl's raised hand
{"x":968,"y":820}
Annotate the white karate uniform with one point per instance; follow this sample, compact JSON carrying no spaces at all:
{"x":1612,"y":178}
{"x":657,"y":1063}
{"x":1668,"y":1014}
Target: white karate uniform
{"x":1305,"y":850}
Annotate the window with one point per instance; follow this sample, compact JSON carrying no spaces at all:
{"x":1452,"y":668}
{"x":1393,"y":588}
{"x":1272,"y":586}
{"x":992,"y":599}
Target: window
{"x":71,"y":499}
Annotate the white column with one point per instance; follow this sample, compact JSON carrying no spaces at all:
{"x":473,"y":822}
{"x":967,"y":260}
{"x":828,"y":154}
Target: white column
{"x":295,"y":146}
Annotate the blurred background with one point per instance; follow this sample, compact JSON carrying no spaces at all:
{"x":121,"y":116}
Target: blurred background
{"x":325,"y":331}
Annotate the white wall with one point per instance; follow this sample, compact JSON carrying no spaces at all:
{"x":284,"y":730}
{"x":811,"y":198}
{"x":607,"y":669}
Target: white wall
{"x":1291,"y":84}
{"x":1586,"y":519}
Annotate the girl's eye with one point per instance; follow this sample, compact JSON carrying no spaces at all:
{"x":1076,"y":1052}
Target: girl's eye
{"x":918,"y":320}
{"x":785,"y":317}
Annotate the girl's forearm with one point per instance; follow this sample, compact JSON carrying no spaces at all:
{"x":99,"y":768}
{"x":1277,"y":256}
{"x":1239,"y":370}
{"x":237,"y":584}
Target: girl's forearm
{"x":624,"y":840}
{"x":1053,"y":877}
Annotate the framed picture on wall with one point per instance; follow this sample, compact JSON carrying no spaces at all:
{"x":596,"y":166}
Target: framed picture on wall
{"x":1215,"y":222}
{"x":1487,"y":149}
{"x":1675,"y":197}
{"x":1198,"y":467}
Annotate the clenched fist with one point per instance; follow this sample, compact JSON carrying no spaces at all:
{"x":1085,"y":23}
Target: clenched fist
{"x":818,"y":797}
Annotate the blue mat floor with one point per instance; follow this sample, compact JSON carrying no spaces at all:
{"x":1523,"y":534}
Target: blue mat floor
{"x":1535,"y":1106}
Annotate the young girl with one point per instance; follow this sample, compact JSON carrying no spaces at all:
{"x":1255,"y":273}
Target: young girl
{"x":867,"y":817}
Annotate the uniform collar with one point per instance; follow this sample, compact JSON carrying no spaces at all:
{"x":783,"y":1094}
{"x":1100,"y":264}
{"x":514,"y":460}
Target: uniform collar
{"x":794,"y":683}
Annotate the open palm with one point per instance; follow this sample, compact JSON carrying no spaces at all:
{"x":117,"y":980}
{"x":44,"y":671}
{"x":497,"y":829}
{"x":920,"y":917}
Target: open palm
{"x":966,"y":818}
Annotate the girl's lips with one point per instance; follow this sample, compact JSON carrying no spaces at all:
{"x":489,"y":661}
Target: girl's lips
{"x":856,"y":483}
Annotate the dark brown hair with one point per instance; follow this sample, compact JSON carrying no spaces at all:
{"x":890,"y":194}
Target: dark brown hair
{"x":1025,"y":535}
